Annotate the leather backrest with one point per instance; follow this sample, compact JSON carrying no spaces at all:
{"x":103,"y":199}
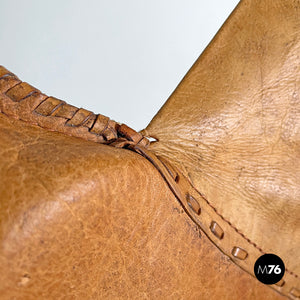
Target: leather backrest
{"x":232,"y":125}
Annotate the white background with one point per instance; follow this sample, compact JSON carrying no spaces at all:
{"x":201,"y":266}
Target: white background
{"x":120,"y":58}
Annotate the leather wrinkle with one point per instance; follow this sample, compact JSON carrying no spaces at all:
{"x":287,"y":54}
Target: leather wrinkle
{"x":232,"y":125}
{"x":217,"y":134}
{"x":166,"y":175}
{"x":125,"y":138}
{"x":193,"y":280}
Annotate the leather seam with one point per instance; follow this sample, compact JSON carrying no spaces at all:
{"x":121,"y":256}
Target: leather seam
{"x":201,"y":212}
{"x":234,"y":227}
{"x":228,"y":222}
{"x":125,"y":133}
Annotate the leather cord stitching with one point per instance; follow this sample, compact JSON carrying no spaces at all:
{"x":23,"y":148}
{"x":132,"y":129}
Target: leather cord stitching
{"x":26,"y":103}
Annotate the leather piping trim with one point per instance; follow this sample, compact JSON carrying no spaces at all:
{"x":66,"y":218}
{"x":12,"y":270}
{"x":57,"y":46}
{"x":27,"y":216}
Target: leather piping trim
{"x":241,"y":250}
{"x":23,"y":102}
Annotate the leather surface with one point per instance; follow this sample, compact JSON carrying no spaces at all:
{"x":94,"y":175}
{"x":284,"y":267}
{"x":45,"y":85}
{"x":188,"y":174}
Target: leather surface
{"x":229,"y":239}
{"x":232,"y":125}
{"x":81,"y":220}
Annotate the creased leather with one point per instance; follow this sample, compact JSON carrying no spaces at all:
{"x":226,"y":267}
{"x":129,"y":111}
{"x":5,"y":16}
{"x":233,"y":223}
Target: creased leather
{"x":232,"y":125}
{"x":81,"y":220}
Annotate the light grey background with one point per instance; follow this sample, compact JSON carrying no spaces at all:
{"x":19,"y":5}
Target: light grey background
{"x":120,"y":58}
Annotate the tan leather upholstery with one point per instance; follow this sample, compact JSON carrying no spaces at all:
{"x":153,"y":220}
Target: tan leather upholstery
{"x":232,"y":126}
{"x":84,"y":220}
{"x":81,"y":220}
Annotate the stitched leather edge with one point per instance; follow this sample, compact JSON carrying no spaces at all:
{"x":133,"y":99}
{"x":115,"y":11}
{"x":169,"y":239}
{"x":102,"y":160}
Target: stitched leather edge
{"x":24,"y":102}
{"x":233,"y":243}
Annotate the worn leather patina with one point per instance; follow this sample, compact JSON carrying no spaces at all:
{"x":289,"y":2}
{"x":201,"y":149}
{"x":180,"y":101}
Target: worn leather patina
{"x":81,"y":220}
{"x":233,"y":125}
{"x":90,"y":210}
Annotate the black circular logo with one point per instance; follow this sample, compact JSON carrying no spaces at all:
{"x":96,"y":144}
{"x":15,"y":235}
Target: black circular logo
{"x":269,"y":268}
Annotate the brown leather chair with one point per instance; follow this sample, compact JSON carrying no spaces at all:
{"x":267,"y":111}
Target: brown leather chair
{"x":89,"y":209}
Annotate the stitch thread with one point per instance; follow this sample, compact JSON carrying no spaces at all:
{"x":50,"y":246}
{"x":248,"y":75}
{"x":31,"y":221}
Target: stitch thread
{"x":97,"y":128}
{"x":230,"y":224}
